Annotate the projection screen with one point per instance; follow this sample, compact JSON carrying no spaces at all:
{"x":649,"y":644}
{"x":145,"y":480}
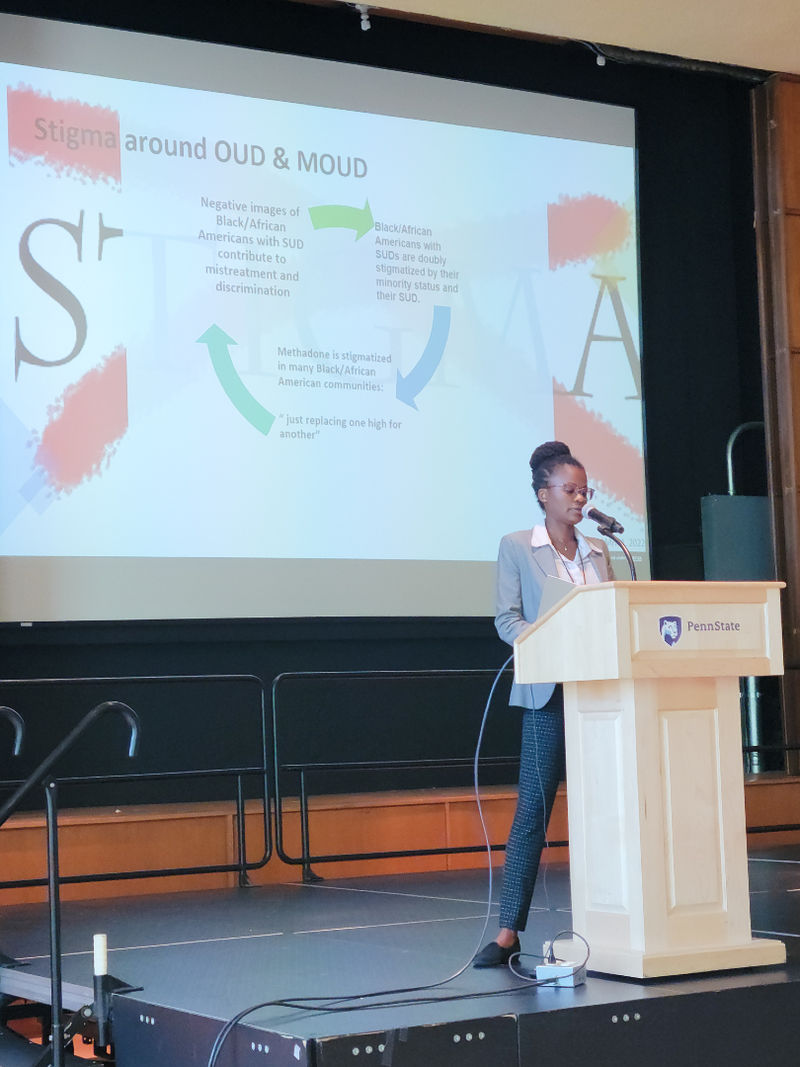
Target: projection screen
{"x":279,"y":334}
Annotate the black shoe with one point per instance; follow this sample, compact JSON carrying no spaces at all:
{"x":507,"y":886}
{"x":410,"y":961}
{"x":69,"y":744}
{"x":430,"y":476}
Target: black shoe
{"x":494,"y":955}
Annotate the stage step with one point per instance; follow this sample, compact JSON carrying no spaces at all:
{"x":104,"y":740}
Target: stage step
{"x":20,"y":984}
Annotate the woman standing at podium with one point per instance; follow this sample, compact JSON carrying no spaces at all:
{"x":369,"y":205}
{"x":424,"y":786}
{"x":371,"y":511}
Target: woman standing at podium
{"x":526,"y":559}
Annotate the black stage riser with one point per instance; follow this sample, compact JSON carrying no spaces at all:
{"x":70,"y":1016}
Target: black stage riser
{"x":476,"y":1043}
{"x":669,"y":1031}
{"x":734,"y":1027}
{"x":159,"y":1037}
{"x":155,"y":1036}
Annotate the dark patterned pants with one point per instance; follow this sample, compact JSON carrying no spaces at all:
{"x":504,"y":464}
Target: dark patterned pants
{"x":541,"y":769}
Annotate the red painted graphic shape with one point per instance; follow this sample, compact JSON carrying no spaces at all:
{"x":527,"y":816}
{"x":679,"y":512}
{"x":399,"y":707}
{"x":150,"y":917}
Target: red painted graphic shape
{"x":67,"y":135}
{"x":90,"y":417}
{"x":581,"y":228}
{"x":590,"y":435}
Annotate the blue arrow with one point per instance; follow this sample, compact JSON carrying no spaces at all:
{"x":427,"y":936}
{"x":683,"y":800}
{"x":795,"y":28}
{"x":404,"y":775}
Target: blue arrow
{"x":414,"y":382}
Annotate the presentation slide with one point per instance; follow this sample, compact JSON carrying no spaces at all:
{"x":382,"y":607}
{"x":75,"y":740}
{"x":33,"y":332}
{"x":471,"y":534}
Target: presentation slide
{"x":274,"y":354}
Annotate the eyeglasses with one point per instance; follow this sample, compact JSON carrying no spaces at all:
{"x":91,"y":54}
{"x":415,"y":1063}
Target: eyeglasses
{"x":571,"y":489}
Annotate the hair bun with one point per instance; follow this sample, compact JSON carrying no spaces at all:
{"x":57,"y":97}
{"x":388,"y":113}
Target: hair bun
{"x":547,"y":451}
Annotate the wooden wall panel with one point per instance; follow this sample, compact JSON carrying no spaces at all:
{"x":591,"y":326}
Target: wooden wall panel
{"x":791,"y":387}
{"x":787,"y":116}
{"x":369,"y":824}
{"x":203,"y":834}
{"x":772,"y":801}
{"x":464,"y":828}
{"x":792,"y":237}
{"x":99,"y":840}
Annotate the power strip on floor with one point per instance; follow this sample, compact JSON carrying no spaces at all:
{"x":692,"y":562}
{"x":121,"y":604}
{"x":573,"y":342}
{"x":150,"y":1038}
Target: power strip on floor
{"x":561,"y":973}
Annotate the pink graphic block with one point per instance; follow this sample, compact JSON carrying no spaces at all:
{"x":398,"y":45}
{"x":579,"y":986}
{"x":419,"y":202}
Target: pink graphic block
{"x":590,"y":435}
{"x":66,"y":135}
{"x":584,"y":227}
{"x":85,"y":425}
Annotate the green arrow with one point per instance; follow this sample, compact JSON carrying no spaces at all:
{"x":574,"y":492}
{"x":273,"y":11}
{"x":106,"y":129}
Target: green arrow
{"x":342,"y":217}
{"x":238,"y":393}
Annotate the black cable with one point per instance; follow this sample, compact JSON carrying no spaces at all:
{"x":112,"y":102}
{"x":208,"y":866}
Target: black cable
{"x":335,"y":1006}
{"x":337,"y":1003}
{"x":550,"y":958}
{"x":544,"y":805}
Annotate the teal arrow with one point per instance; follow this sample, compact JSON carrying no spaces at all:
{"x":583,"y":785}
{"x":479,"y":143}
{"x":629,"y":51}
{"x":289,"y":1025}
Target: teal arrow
{"x":342,"y":217}
{"x":415,"y":381}
{"x":238,"y":393}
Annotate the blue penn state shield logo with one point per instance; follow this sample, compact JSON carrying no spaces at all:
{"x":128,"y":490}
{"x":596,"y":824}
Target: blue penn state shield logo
{"x":670,"y":628}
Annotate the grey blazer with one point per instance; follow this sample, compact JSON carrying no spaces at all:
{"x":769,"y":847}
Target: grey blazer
{"x":521,"y":574}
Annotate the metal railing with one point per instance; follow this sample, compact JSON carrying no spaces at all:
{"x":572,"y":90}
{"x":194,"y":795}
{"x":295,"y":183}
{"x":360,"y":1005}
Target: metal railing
{"x":241,"y":865}
{"x":18,"y":723}
{"x":302,"y":769}
{"x":388,"y":766}
{"x":41,"y":776}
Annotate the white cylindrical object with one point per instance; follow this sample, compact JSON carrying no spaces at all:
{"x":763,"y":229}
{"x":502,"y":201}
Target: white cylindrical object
{"x":100,"y":954}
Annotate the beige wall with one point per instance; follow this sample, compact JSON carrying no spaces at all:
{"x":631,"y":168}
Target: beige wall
{"x":738,"y":32}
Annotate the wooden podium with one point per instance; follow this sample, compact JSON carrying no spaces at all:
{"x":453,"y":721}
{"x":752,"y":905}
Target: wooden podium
{"x":658,"y":851}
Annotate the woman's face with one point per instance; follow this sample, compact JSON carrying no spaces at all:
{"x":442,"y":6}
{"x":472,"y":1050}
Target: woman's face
{"x":559,"y":505}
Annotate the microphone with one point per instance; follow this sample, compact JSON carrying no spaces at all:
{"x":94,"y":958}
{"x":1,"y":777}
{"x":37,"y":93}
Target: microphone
{"x":605,"y":520}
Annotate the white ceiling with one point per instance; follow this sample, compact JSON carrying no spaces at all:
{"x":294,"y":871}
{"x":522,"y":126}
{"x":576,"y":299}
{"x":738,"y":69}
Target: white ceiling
{"x":749,"y":33}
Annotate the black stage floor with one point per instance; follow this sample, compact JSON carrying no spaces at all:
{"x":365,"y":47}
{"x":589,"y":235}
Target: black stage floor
{"x":202,"y":957}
